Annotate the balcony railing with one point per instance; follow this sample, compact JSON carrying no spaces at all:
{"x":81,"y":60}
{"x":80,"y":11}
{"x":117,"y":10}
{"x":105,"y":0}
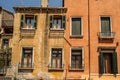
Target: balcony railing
{"x":78,"y":67}
{"x":25,"y":66}
{"x":59,"y":67}
{"x":107,"y":35}
{"x":3,"y":71}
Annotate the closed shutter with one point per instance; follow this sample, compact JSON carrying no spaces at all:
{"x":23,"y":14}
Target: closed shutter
{"x":76,"y":26}
{"x":114,"y":63}
{"x":64,"y":21}
{"x":51,"y":21}
{"x":35,"y":21}
{"x":105,"y":24}
{"x":22,"y":21}
{"x":101,"y":63}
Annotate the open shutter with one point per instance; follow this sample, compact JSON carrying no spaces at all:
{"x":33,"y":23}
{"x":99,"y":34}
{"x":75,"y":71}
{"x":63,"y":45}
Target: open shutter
{"x":22,"y":21}
{"x":51,"y":21}
{"x":114,"y":63}
{"x":64,"y":21}
{"x":101,"y":63}
{"x":35,"y":21}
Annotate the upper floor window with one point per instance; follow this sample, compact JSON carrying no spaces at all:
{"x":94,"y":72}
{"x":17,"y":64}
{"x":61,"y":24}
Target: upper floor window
{"x":76,"y":27}
{"x":57,"y":22}
{"x":28,"y":21}
{"x":105,"y":25}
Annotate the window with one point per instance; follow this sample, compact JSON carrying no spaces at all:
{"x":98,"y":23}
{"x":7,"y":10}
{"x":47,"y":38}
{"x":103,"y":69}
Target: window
{"x":76,"y":27}
{"x":76,"y":59}
{"x":105,"y":25}
{"x":27,"y":57}
{"x":108,"y":62}
{"x":28,"y":21}
{"x":57,"y":22}
{"x":5,"y":43}
{"x":56,"y":58}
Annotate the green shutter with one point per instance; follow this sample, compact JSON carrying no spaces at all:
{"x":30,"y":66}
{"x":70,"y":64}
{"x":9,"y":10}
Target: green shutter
{"x":64,"y":21}
{"x":51,"y":21}
{"x":114,"y":63}
{"x":35,"y":21}
{"x":101,"y":63}
{"x":22,"y":21}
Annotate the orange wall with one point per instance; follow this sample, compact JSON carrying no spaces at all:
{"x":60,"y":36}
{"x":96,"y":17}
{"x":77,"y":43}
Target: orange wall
{"x":79,"y":8}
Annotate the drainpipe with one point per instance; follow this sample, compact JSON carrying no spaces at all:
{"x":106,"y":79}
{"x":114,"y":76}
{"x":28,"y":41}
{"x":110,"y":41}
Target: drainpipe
{"x":89,"y":47}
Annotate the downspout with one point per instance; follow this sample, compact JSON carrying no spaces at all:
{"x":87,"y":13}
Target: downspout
{"x":45,"y":38}
{"x":89,"y":37}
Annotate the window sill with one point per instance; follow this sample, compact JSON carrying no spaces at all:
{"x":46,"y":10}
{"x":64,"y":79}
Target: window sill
{"x":56,"y":69}
{"x":76,"y":36}
{"x":53,"y":29}
{"x":28,"y":28}
{"x":76,"y":69}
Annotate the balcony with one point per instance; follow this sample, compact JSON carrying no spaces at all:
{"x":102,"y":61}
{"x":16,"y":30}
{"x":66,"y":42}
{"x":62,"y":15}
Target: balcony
{"x":75,"y":67}
{"x":25,"y":66}
{"x":56,"y":33}
{"x":27,"y":32}
{"x":56,"y":68}
{"x":107,"y":35}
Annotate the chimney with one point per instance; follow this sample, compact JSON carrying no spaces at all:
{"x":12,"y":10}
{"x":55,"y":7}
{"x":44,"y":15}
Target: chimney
{"x":44,"y":3}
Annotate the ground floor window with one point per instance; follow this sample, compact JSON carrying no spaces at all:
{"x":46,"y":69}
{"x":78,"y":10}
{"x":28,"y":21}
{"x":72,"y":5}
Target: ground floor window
{"x":56,"y":58}
{"x":76,"y":58}
{"x":27,"y":56}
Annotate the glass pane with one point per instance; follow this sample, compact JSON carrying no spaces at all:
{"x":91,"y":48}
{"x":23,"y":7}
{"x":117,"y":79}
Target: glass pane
{"x":76,"y":26}
{"x":105,"y":24}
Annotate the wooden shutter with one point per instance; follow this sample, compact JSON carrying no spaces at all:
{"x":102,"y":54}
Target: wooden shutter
{"x":22,"y":21}
{"x":35,"y":21}
{"x":101,"y":63}
{"x":51,"y":21}
{"x":114,"y":63}
{"x":64,"y":21}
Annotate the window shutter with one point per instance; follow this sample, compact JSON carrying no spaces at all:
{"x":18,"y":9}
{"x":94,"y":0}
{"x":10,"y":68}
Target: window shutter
{"x":114,"y":63}
{"x":64,"y":21}
{"x":22,"y":21}
{"x":51,"y":21}
{"x":101,"y":63}
{"x":35,"y":21}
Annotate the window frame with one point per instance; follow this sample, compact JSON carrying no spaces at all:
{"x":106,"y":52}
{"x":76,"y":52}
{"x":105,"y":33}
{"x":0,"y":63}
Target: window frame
{"x":110,"y":22}
{"x":22,"y":53}
{"x":62,"y":28}
{"x":78,"y":48}
{"x":81,"y":35}
{"x":50,"y":56}
{"x":23,"y":21}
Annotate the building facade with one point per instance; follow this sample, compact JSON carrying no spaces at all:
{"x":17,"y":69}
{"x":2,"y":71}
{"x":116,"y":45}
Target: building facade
{"x":6,"y":31}
{"x":78,"y":41}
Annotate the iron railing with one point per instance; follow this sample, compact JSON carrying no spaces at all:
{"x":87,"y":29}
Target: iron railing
{"x":56,"y":67}
{"x":76,"y":67}
{"x":26,"y":65}
{"x":106,"y":35}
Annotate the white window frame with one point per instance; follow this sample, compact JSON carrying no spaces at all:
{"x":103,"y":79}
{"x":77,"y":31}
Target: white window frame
{"x":63,"y":63}
{"x":22,"y":53}
{"x":71,"y":26}
{"x":110,"y":22}
{"x":77,"y":48}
